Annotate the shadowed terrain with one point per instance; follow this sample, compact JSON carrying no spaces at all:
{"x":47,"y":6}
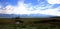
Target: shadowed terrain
{"x":30,"y":23}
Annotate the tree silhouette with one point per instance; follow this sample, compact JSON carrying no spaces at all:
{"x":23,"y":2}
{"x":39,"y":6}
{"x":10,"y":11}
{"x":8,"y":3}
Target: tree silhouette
{"x":17,"y":18}
{"x":55,"y":17}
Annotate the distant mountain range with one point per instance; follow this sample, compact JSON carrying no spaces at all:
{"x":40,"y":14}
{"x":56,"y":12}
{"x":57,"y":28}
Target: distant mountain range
{"x":7,"y":15}
{"x":35,"y":16}
{"x":24,"y":16}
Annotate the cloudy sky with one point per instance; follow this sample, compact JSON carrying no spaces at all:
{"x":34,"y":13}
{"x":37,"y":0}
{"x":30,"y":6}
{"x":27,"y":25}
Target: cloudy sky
{"x":47,"y":7}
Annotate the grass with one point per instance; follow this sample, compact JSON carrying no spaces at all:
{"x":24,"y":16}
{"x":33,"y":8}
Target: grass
{"x":26,"y":24}
{"x":22,"y":26}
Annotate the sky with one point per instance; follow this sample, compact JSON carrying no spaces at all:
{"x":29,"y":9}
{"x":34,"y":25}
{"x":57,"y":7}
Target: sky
{"x":46,"y":7}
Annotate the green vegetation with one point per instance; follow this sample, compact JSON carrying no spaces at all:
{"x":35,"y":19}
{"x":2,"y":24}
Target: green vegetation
{"x":22,"y":26}
{"x":28,"y":24}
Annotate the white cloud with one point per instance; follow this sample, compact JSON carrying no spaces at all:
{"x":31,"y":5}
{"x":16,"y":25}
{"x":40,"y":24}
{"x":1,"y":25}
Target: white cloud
{"x":21,"y":8}
{"x":6,"y":10}
{"x":0,"y":6}
{"x":1,"y":11}
{"x":53,"y":12}
{"x":54,"y":1}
